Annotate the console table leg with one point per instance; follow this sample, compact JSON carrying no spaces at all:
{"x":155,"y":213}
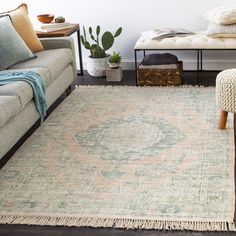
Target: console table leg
{"x":198,"y":67}
{"x":201,"y":60}
{"x":136,"y":67}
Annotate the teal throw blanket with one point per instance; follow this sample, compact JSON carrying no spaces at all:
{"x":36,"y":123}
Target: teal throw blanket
{"x":37,"y":84}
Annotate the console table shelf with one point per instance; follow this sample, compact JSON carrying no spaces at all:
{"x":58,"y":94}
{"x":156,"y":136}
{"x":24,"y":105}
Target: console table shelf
{"x":198,"y":43}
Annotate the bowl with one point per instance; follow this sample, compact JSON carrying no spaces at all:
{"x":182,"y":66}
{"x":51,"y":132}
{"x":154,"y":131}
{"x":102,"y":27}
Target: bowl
{"x":45,"y":18}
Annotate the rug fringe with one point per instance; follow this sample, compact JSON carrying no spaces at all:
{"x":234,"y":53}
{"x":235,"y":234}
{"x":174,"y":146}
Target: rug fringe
{"x":118,"y":223}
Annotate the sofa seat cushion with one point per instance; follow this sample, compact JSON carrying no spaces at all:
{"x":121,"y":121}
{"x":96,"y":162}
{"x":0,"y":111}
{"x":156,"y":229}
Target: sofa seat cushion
{"x":55,"y":60}
{"x":22,"y":89}
{"x":44,"y":72}
{"x":9,"y":106}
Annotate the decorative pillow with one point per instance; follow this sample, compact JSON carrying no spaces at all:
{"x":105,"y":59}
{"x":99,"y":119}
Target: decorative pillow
{"x":222,"y":15}
{"x":24,"y":27}
{"x":12,"y":47}
{"x":221,"y":31}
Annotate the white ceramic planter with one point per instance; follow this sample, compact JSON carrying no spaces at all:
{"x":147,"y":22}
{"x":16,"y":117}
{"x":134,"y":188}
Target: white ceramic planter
{"x":97,"y":66}
{"x":114,"y":65}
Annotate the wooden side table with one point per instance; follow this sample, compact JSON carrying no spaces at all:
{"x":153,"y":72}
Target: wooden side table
{"x":66,"y":32}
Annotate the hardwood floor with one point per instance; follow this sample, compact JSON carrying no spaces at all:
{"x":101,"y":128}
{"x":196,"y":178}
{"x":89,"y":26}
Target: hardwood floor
{"x":207,"y":79}
{"x":189,"y":78}
{"x":73,"y":231}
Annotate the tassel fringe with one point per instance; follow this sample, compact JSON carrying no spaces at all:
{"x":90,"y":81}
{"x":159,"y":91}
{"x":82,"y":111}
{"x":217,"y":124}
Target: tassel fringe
{"x":118,"y":223}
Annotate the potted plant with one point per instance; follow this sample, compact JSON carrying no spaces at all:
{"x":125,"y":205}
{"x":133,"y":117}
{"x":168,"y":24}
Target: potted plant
{"x":97,"y":61}
{"x":115,"y":60}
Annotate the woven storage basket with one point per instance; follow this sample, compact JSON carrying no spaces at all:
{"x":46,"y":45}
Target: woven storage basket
{"x":161,"y":77}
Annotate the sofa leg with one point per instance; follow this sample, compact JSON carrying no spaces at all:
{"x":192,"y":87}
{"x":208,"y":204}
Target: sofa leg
{"x":68,"y":90}
{"x":223,"y":119}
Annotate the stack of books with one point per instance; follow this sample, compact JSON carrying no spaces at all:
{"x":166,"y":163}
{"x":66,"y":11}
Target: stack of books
{"x":166,"y":33}
{"x":171,"y":32}
{"x":53,"y":27}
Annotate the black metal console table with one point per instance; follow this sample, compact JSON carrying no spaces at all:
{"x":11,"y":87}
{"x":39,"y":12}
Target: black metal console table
{"x":199,"y":58}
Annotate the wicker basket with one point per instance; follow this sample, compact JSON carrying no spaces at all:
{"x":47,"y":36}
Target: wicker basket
{"x":161,"y":77}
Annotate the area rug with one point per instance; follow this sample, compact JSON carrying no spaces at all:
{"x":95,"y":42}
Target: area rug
{"x":125,"y":157}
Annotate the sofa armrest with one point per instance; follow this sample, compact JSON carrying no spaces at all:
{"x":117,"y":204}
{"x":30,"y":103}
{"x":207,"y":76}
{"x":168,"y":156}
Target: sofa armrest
{"x":61,"y":42}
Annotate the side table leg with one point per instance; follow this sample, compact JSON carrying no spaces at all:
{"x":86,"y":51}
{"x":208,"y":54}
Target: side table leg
{"x":80,"y":54}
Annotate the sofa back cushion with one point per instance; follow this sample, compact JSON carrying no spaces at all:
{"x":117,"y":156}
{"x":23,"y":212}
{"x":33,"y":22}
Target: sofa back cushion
{"x":12,"y":47}
{"x":24,"y":27}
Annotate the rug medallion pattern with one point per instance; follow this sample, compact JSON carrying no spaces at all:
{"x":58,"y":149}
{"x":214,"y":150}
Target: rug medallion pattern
{"x":125,"y":157}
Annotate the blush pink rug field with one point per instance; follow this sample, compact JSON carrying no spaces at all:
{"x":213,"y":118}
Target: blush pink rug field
{"x":125,"y":157}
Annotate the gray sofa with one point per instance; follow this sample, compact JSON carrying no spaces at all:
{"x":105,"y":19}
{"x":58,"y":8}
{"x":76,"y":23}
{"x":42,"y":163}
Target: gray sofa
{"x":56,"y":64}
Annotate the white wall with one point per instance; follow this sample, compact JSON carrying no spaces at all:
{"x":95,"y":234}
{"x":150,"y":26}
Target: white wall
{"x":134,"y":16}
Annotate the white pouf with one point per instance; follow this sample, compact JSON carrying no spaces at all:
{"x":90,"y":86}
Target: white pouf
{"x":226,"y":94}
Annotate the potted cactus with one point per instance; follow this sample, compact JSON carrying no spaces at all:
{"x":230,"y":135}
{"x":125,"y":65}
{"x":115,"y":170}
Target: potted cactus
{"x":97,"y":61}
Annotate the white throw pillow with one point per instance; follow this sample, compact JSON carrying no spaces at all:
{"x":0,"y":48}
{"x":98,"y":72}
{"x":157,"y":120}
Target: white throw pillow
{"x":224,"y":15}
{"x":221,"y":31}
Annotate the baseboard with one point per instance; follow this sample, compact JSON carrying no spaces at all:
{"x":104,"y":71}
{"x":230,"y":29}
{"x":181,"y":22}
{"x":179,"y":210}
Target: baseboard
{"x":190,"y":65}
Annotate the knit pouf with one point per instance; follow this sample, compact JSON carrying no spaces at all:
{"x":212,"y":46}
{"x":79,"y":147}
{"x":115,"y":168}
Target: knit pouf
{"x":226,"y":90}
